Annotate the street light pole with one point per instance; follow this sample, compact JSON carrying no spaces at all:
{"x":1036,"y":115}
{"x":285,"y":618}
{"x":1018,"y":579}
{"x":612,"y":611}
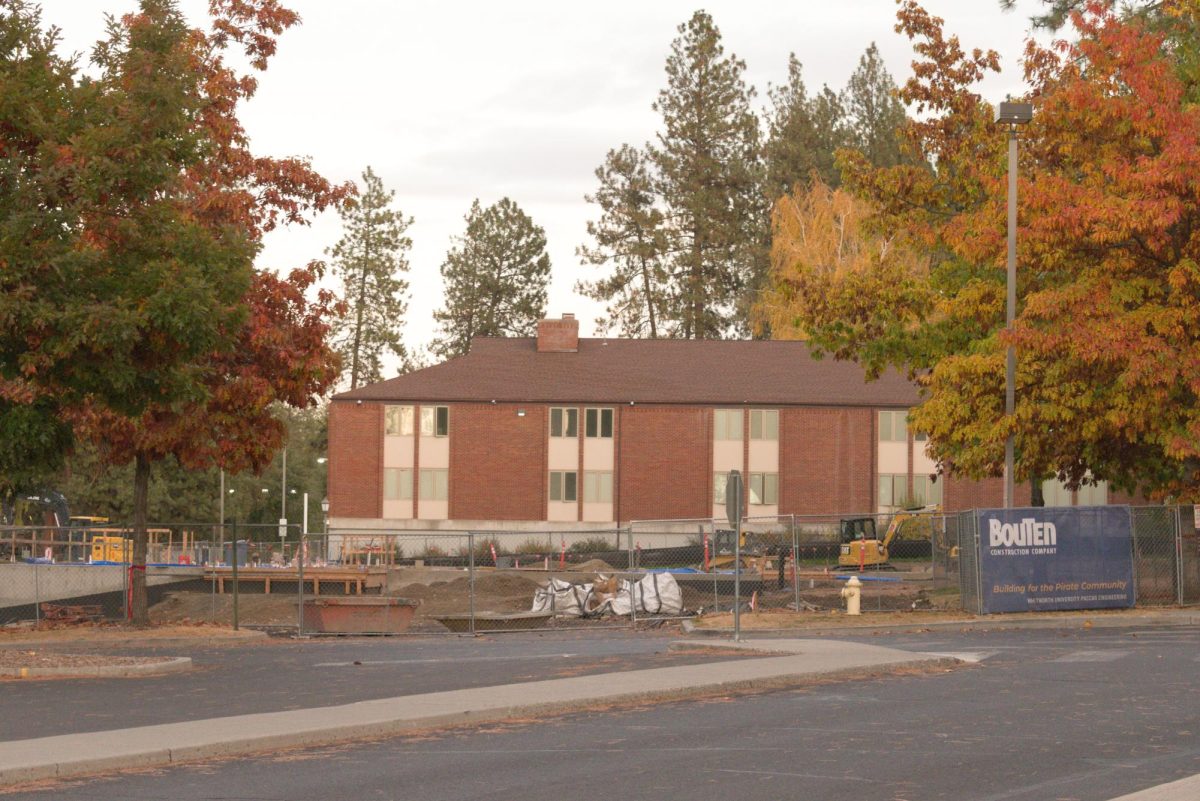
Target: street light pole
{"x":1011,"y":115}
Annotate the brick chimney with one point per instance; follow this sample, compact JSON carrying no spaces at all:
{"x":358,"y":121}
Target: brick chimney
{"x":558,"y":336}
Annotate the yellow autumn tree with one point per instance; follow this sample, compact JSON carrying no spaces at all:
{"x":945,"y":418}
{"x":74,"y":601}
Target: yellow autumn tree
{"x":831,"y":261}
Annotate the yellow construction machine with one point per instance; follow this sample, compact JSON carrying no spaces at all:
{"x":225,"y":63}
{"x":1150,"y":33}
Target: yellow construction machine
{"x":862,"y":547}
{"x":753,"y":553}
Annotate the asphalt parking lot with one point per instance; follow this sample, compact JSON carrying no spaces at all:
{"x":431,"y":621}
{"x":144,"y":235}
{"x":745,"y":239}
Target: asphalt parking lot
{"x":280,"y":674}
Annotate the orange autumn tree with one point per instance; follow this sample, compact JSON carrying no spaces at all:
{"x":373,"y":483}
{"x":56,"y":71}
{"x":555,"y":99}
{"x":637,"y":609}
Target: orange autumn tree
{"x":1108,"y":326}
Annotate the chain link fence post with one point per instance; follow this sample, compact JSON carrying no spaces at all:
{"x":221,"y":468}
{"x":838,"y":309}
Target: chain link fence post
{"x":1176,"y":518}
{"x":126,"y":569}
{"x":795,"y":563}
{"x":471,"y":578}
{"x":37,"y":598}
{"x":300,"y":550}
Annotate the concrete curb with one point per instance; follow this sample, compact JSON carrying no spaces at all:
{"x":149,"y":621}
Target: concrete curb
{"x":1181,"y":618}
{"x":168,"y":744}
{"x":1183,"y":790}
{"x":251,"y":636}
{"x":178,"y":664}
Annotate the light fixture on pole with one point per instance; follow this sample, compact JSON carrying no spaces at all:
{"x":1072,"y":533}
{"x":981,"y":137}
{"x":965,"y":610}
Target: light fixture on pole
{"x":1011,"y":115}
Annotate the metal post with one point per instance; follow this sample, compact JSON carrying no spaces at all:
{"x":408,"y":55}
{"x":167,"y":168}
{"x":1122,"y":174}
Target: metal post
{"x":1010,"y":380}
{"x":37,"y":596}
{"x":212,"y":563}
{"x":125,"y":571}
{"x":795,"y":563}
{"x":471,"y":577}
{"x":283,"y":488}
{"x":737,"y":581}
{"x":300,"y":569}
{"x":1178,"y":556}
{"x":234,"y":562}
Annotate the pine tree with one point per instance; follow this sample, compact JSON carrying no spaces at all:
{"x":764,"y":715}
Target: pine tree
{"x":629,"y":237}
{"x":874,"y":110}
{"x":709,"y":169}
{"x":803,"y":133}
{"x":369,"y":260}
{"x":496,"y":276}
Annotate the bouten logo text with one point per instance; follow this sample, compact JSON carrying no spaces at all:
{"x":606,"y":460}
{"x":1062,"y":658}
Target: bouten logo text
{"x":1028,"y":533}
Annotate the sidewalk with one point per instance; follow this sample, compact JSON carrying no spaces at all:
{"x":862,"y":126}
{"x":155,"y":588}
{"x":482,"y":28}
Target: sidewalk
{"x":847,"y":625}
{"x":167,"y":744}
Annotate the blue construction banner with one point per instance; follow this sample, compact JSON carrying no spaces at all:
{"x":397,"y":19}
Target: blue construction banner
{"x":1042,"y":559}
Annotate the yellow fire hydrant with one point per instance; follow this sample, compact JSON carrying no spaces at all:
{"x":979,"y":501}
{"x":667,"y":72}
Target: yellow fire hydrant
{"x":852,"y":592}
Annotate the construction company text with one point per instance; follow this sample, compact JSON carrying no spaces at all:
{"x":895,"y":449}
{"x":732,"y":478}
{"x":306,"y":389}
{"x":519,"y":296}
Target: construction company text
{"x":1025,"y":538}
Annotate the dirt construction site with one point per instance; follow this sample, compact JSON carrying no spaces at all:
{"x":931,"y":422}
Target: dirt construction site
{"x":440,"y":591}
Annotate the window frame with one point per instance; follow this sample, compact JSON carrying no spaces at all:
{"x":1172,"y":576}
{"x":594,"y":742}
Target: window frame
{"x":766,"y":487}
{"x":398,"y":483}
{"x":720,"y":483}
{"x":434,"y":418}
{"x":722,"y":419}
{"x":567,"y":484}
{"x":892,"y":502}
{"x":764,"y":418}
{"x":434,"y":473}
{"x":594,"y":485}
{"x":568,"y":420}
{"x":895,"y":419}
{"x":399,"y":409}
{"x":594,"y":420}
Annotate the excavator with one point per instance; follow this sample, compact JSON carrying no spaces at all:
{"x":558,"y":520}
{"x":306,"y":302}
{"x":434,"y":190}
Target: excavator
{"x":862,"y":547}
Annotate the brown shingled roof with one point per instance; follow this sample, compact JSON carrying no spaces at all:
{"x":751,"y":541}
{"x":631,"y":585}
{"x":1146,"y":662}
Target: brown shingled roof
{"x":680,"y":371}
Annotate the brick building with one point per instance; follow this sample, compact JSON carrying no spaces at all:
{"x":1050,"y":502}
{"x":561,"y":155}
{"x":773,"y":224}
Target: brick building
{"x":562,"y":432}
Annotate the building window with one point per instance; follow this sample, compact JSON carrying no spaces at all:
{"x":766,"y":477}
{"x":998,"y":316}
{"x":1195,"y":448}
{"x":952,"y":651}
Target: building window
{"x":563,"y":485}
{"x":720,"y":481}
{"x":893,"y":426}
{"x":597,"y":487}
{"x":599,"y":423}
{"x":435,"y":421}
{"x":435,"y":485}
{"x":1055,"y":493}
{"x":727,"y":424}
{"x":764,"y":489}
{"x":564,"y":423}
{"x":398,"y":421}
{"x":893,"y":489}
{"x":1093,"y":494}
{"x":764,"y":424}
{"x":397,"y":484}
{"x":927,"y":491}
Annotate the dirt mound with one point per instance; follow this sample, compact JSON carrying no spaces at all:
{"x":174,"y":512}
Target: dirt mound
{"x":494,"y":592}
{"x":593,"y":566}
{"x":253,"y":609}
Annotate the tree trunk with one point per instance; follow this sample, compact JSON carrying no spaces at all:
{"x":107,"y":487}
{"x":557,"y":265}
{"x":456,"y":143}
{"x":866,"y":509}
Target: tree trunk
{"x":1035,"y":493}
{"x":139,"y":608}
{"x":649,"y":300}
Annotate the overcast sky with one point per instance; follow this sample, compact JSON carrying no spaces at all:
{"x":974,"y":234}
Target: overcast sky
{"x":449,"y":101}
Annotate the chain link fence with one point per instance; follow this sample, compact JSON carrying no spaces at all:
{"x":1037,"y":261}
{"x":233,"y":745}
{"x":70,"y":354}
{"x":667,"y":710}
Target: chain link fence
{"x":80,"y":574}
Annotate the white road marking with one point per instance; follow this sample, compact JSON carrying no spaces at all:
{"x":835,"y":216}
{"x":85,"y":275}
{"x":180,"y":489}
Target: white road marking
{"x":795,"y":775}
{"x":965,"y":656}
{"x":456,"y":660}
{"x":1092,"y":656}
